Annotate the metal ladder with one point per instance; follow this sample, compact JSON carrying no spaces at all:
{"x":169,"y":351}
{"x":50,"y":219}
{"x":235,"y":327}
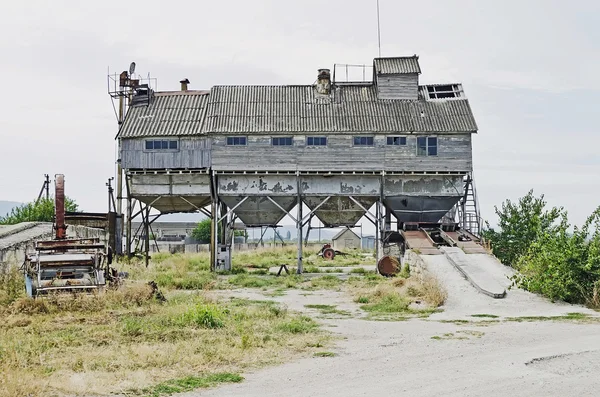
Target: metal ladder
{"x":467,"y":208}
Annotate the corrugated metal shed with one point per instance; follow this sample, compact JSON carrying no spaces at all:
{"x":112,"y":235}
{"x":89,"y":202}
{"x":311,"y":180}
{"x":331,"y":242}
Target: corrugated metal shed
{"x":352,"y":108}
{"x":175,"y":113}
{"x":397,"y":65}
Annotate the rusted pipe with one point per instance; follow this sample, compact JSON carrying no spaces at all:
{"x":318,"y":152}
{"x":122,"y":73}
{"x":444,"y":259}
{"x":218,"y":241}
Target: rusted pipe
{"x":59,"y":208}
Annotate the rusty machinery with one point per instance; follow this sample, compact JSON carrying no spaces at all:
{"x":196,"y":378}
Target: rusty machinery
{"x":327,"y":252}
{"x":64,"y":264}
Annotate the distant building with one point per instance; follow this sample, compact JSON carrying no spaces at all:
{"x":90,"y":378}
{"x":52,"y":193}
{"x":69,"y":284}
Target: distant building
{"x":345,"y":239}
{"x":368,"y":243}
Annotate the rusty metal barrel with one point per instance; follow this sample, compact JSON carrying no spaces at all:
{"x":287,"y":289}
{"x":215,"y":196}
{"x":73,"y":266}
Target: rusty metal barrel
{"x":388,"y":266}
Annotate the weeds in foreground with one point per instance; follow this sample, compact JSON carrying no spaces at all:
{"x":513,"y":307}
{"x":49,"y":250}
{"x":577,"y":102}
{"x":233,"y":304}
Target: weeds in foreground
{"x":461,"y":335}
{"x":324,"y":354}
{"x":115,"y":345}
{"x":188,"y":383}
{"x":12,"y":285}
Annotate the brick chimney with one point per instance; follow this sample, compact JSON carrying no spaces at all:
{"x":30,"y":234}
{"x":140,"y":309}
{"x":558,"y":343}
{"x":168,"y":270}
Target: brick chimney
{"x":324,"y":82}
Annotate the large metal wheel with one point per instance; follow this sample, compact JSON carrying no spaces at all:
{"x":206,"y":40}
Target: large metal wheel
{"x":328,"y":253}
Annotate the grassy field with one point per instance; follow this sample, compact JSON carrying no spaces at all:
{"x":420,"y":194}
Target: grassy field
{"x":133,"y":342}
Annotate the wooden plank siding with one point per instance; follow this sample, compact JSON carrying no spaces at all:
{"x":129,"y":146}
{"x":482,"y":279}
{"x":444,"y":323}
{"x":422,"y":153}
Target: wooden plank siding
{"x":398,"y":86}
{"x":454,"y":154}
{"x":193,"y":152}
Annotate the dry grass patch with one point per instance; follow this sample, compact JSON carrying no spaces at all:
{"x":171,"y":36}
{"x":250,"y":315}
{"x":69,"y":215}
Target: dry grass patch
{"x":128,"y":341}
{"x":385,"y":298}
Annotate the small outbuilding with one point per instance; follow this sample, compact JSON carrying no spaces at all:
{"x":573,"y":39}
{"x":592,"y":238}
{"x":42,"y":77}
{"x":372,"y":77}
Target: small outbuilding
{"x":345,"y":239}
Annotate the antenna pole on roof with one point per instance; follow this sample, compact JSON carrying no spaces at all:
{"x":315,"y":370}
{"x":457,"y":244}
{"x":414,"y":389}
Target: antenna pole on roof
{"x":378,"y":30}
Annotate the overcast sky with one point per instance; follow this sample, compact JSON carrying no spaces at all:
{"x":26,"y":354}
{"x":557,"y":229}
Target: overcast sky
{"x":529,"y":68}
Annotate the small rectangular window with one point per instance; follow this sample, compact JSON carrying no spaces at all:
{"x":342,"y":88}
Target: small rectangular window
{"x":363,"y":141}
{"x":427,"y":146}
{"x":162,"y":145}
{"x":287,"y":141}
{"x":236,"y":141}
{"x":396,"y":140}
{"x":316,"y":141}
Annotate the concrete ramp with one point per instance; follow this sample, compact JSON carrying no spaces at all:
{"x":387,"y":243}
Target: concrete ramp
{"x":473,"y":269}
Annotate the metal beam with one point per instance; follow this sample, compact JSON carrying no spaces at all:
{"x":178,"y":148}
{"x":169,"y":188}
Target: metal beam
{"x":364,"y":209}
{"x":281,"y":208}
{"x":308,"y":217}
{"x":231,"y":210}
{"x":195,"y":206}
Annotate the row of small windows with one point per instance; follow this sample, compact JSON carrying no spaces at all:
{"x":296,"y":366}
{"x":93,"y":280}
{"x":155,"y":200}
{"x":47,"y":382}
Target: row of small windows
{"x":426,"y":146}
{"x":321,"y":141}
{"x":162,"y":144}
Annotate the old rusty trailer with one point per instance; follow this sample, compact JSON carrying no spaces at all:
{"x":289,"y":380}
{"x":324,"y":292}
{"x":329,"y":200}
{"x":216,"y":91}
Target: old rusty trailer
{"x":64,"y":264}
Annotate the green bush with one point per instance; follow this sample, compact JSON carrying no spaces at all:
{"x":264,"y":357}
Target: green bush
{"x":551,"y":259}
{"x":203,"y":316}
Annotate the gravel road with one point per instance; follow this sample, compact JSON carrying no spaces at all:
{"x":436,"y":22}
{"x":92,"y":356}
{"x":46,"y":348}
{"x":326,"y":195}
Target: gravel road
{"x":377,"y":358}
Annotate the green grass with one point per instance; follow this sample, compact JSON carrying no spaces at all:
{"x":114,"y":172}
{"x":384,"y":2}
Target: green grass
{"x":189,"y":383}
{"x":300,"y":325}
{"x":459,"y":335}
{"x":324,"y":354}
{"x":390,"y":303}
{"x":358,"y":270}
{"x":329,"y":309}
{"x":484,"y":315}
{"x":567,"y":317}
{"x":137,"y":341}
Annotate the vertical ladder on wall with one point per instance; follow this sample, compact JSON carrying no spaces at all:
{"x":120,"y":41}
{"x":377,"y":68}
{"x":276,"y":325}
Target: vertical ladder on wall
{"x":468,"y":208}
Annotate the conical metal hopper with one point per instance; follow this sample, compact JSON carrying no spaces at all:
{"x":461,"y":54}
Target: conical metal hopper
{"x":339,"y":210}
{"x":259,"y":210}
{"x":419,"y":208}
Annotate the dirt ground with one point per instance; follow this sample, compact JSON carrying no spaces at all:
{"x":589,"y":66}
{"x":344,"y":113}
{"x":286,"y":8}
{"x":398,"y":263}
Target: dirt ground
{"x":474,"y":356}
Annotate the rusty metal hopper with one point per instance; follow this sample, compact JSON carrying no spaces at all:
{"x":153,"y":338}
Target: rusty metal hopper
{"x":340,"y":210}
{"x":260,"y":210}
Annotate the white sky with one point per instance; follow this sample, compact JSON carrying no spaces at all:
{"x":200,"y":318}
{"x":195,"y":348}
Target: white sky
{"x":529,"y":68}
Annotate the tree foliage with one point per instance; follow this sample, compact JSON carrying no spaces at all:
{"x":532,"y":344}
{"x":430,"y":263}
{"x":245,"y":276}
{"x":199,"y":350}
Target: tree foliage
{"x":202,"y":231}
{"x":41,"y":211}
{"x":521,"y":224}
{"x":551,"y":260}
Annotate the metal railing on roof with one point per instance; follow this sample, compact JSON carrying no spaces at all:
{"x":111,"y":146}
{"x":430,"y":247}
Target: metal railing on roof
{"x":349,"y":73}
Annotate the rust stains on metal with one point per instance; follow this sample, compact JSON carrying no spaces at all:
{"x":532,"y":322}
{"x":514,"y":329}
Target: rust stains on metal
{"x":388,"y":266}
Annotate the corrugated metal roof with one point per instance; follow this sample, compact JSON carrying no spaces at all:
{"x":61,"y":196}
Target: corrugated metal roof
{"x":397,"y":65}
{"x":169,"y":113}
{"x":352,"y":108}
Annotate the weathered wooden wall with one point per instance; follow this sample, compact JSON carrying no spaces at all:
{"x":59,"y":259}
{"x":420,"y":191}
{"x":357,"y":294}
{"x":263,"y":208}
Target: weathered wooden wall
{"x":398,"y":86}
{"x":193,"y":152}
{"x":454,"y":154}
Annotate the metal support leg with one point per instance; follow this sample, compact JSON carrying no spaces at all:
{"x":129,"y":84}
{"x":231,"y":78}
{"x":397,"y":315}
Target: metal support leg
{"x":299,"y":268}
{"x":147,"y":237}
{"x":213,"y":235}
{"x":377,"y":235}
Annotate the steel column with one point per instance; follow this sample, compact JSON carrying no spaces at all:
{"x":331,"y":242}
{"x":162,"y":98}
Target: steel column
{"x":299,"y":269}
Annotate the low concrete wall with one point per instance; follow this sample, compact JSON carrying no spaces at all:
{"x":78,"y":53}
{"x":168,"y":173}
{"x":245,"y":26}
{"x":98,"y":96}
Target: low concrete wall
{"x":418,"y":268}
{"x":20,"y":240}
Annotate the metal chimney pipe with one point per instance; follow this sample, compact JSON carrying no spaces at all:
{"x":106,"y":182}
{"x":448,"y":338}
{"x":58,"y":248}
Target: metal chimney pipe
{"x":59,"y":207}
{"x":184,"y":84}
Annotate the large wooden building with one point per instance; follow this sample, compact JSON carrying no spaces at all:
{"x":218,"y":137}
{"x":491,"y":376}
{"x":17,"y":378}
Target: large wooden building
{"x":341,"y":148}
